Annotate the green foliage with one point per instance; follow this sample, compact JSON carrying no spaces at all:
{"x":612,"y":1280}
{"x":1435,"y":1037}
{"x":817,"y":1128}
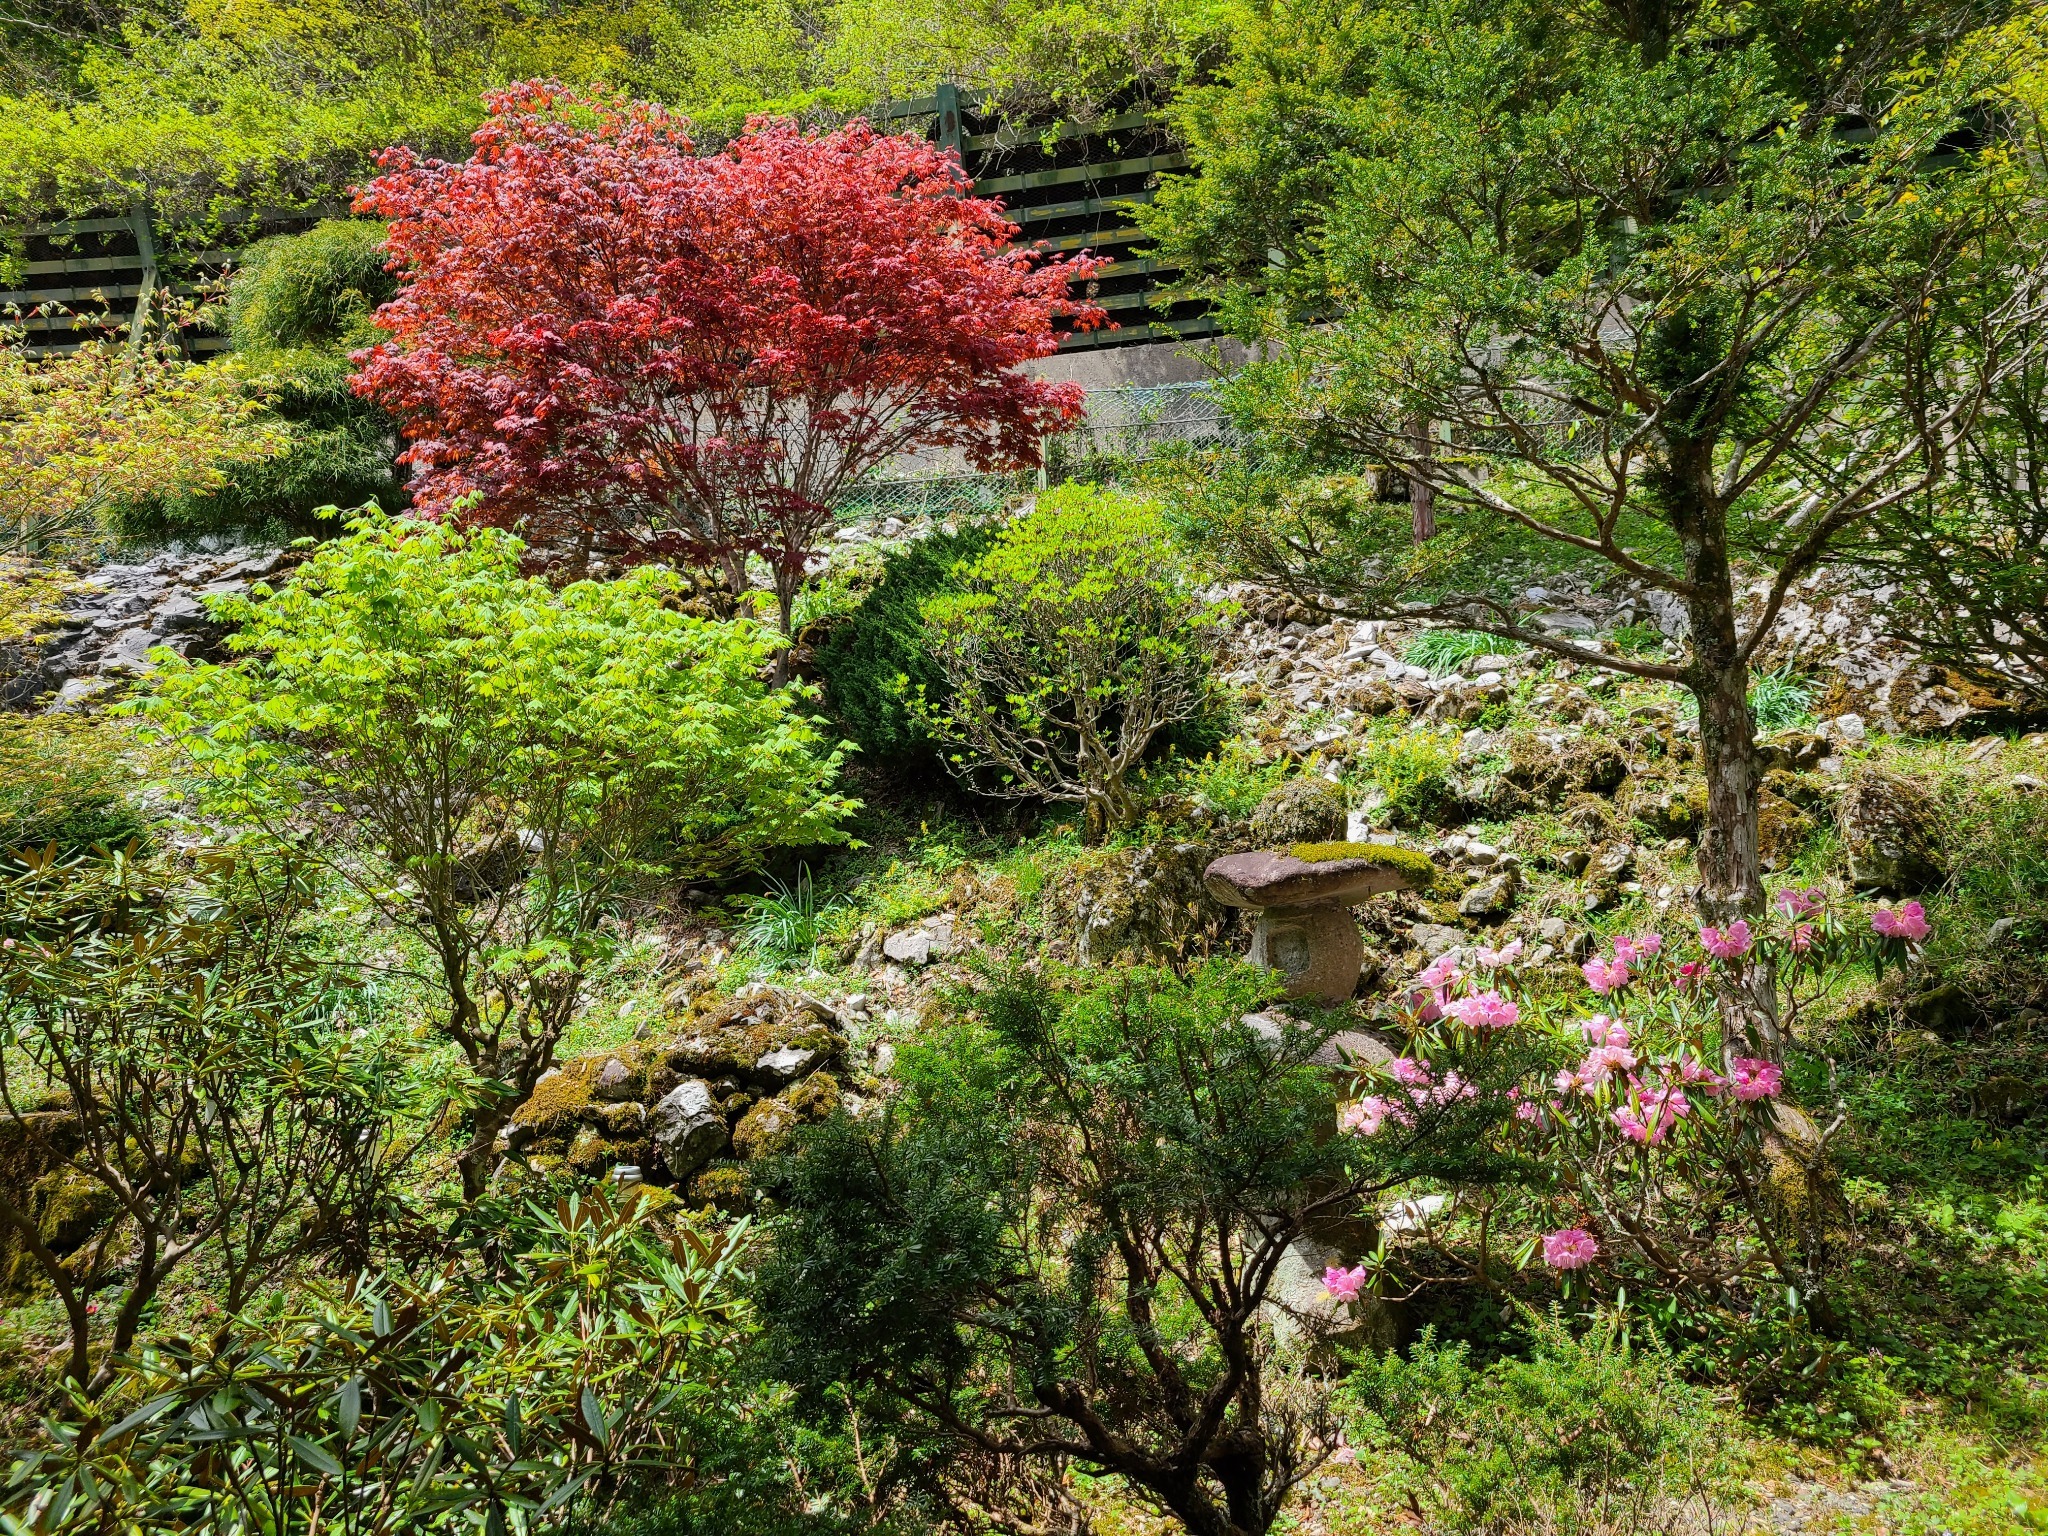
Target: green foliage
{"x":296,"y":307}
{"x":1181,"y":1151}
{"x":311,"y":290}
{"x":495,"y":764}
{"x":1590,"y":1434}
{"x":1412,"y":768}
{"x":64,"y":780}
{"x":225,"y":1094}
{"x":885,"y":640}
{"x":1412,"y":862}
{"x":452,"y":1403}
{"x":1442,"y":651}
{"x":1074,"y":641}
{"x":787,"y":922}
{"x":1780,"y":699}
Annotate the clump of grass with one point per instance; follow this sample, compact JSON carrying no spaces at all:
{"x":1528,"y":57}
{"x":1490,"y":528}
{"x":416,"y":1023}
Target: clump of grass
{"x":1442,"y":651}
{"x":1780,"y":699}
{"x":1639,"y":639}
{"x":787,"y":922}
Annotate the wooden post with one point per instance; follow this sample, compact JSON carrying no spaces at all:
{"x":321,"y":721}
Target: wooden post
{"x":145,"y":246}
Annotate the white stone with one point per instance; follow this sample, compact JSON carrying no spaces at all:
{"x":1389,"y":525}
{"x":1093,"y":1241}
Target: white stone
{"x":911,"y":947}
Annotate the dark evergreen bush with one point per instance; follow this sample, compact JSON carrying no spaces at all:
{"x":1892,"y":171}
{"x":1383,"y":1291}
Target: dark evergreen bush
{"x":862,"y":660}
{"x":296,"y":308}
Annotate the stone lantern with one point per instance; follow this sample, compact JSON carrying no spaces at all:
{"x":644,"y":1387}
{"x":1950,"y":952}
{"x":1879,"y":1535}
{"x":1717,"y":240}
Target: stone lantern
{"x":1304,"y":898}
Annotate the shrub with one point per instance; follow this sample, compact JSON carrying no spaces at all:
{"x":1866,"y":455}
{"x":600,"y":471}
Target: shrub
{"x":881,"y":657}
{"x":1075,"y":640}
{"x":1060,"y":1242}
{"x":317,"y":289}
{"x":1443,"y":651}
{"x":1592,"y":1434}
{"x":495,"y":764}
{"x":451,"y":1403}
{"x":296,"y":307}
{"x":62,"y":781}
{"x":1412,"y":768}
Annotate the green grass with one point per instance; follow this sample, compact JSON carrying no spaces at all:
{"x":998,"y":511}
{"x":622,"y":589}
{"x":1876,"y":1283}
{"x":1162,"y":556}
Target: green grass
{"x":1780,"y":699}
{"x":1442,"y":651}
{"x":786,"y":924}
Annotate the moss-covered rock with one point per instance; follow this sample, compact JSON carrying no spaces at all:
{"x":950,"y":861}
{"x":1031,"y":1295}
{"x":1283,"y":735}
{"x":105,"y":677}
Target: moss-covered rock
{"x":764,"y":1129}
{"x":71,"y":1206}
{"x":724,"y":1187}
{"x":1303,"y":810}
{"x":1416,"y":865}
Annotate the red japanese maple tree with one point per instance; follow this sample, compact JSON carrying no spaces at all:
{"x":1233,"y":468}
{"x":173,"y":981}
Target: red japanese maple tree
{"x":601,"y":333}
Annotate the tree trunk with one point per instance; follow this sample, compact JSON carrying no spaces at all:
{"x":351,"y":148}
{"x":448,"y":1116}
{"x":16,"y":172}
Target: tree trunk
{"x":1731,"y":863}
{"x":1421,"y":494}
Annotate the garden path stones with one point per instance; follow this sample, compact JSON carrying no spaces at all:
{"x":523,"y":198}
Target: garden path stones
{"x":1305,"y":929}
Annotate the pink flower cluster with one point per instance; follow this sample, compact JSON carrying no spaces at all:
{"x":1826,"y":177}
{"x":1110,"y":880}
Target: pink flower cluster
{"x":1730,"y":943}
{"x":1572,"y":1248}
{"x":1647,"y":1118}
{"x":1907,"y":923}
{"x":1752,"y":1079}
{"x":1370,"y":1115}
{"x":1344,"y":1284}
{"x":1484,"y":1010}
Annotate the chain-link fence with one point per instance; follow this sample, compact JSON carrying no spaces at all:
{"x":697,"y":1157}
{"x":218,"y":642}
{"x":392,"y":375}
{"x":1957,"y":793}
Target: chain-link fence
{"x":1122,"y":426}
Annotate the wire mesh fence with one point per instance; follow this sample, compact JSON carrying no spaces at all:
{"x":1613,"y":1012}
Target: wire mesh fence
{"x":1122,"y":426}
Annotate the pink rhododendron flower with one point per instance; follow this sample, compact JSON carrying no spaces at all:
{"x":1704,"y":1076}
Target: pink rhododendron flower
{"x":1690,"y":973}
{"x":1802,"y":938}
{"x":1452,"y":1089}
{"x":1440,"y":972}
{"x":1369,"y":1116}
{"x":1605,"y":976}
{"x":1494,"y":959}
{"x":1909,"y":922}
{"x":1798,"y":903}
{"x":1488,"y":1010}
{"x":1344,"y":1284}
{"x":1638,"y":1123}
{"x":1642,"y":946}
{"x":1529,"y":1111}
{"x":1601,"y":1030}
{"x":1699,"y":1074}
{"x":1730,"y":943}
{"x":1573,"y":1248}
{"x":1753,"y":1079}
{"x":1409,"y":1072}
{"x":1604,"y":1059}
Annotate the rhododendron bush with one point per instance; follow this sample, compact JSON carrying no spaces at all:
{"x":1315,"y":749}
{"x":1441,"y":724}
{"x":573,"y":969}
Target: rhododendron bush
{"x":1664,"y":1149}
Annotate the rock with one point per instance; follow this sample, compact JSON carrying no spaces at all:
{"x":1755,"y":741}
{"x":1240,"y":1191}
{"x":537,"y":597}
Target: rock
{"x":1999,"y":932}
{"x":688,"y":1129}
{"x":764,"y":1128}
{"x":1888,"y":831}
{"x":910,"y":947}
{"x":1491,"y":900}
{"x":1337,"y":874}
{"x":2005,"y":1099}
{"x":1946,"y":1009}
{"x":1301,"y":1310}
{"x":1848,"y":729}
{"x":1793,"y":750}
{"x":1305,"y":928}
{"x":779,"y":1068}
{"x":1147,"y":901}
{"x":1611,"y":863}
{"x":1552,"y":930}
{"x":1317,"y":949}
{"x":1782,"y":830}
{"x":615,"y":1081}
{"x":71,"y":1206}
{"x":1303,"y":810}
{"x":1435,"y":939}
{"x":484,"y":869}
{"x":1566,"y":624}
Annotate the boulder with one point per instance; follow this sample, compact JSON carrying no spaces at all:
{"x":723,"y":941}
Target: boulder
{"x":1303,"y":810}
{"x":913,"y":946}
{"x":688,"y":1129}
{"x":1147,"y":901}
{"x":1491,"y":900}
{"x":784,"y":1065}
{"x":1888,"y":832}
{"x":764,"y":1128}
